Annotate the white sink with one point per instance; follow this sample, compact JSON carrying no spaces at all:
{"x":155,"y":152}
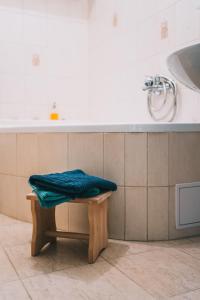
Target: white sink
{"x":185,"y":66}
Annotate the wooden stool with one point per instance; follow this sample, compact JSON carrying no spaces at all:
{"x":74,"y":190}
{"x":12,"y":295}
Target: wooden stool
{"x":44,"y":225}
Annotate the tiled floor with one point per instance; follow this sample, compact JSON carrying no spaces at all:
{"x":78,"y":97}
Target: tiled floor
{"x":126,"y":270}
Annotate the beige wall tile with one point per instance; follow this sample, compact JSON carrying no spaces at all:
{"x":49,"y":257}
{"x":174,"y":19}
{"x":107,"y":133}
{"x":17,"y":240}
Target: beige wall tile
{"x":114,"y":157}
{"x":23,"y":209}
{"x":8,"y":195}
{"x":184,"y":162}
{"x":27,"y":154}
{"x":173,"y":232}
{"x":116,"y":213}
{"x":158,"y":213}
{"x":78,"y":218}
{"x":62,"y":222}
{"x":158,"y":159}
{"x":52,"y":152}
{"x":8,"y":159}
{"x":136,"y":213}
{"x":136,"y":159}
{"x":86,"y":152}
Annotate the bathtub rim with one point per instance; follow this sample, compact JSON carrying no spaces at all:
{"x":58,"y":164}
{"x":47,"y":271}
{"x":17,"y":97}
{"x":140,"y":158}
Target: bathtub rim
{"x":63,"y":126}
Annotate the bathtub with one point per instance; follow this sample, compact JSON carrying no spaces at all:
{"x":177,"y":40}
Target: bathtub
{"x":65,"y":126}
{"x":145,"y":160}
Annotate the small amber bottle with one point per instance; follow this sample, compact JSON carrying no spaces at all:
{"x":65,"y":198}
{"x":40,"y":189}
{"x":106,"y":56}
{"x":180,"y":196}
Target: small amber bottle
{"x":54,"y":115}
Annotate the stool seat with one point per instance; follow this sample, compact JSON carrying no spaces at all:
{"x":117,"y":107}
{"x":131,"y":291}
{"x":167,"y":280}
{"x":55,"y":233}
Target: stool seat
{"x":44,"y":225}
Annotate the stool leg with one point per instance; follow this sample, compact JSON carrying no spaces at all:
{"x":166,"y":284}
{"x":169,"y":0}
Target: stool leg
{"x":43,"y":220}
{"x":98,"y":231}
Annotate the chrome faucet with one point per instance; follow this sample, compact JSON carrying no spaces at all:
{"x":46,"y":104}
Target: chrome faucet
{"x":159,"y":85}
{"x":156,"y":84}
{"x":148,"y":83}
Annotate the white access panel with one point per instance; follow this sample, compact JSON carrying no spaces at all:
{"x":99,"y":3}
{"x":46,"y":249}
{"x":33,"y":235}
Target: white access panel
{"x":187,"y":205}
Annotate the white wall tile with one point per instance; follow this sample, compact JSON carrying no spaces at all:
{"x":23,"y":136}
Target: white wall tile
{"x":11,"y":26}
{"x":11,"y":58}
{"x":60,"y":8}
{"x":144,"y":51}
{"x":12,"y":89}
{"x":36,"y":89}
{"x":187,"y":22}
{"x":119,"y":56}
{"x":38,"y":7}
{"x":11,"y":5}
{"x":31,"y":69}
{"x":35,"y":29}
{"x":59,"y":42}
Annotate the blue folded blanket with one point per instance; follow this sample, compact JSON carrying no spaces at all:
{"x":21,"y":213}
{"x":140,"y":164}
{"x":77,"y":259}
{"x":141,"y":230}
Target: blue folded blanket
{"x":53,"y":189}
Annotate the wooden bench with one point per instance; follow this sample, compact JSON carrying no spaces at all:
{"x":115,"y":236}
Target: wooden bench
{"x":44,"y":225}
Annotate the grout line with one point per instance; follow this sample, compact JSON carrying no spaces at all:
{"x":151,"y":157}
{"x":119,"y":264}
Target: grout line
{"x":158,"y":12}
{"x":103,"y":142}
{"x":22,"y":282}
{"x":185,"y":252}
{"x":68,"y":206}
{"x":119,"y":185}
{"x":140,"y":286}
{"x":182,"y":294}
{"x":147,"y":189}
{"x":19,"y":279}
{"x":124,"y":147}
{"x":168,"y":137}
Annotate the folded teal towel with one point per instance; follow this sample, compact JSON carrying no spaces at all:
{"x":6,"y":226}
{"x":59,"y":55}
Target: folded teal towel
{"x":54,"y":189}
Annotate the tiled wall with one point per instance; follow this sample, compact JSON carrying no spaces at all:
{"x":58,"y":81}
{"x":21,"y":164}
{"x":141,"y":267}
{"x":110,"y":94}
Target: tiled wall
{"x":146,"y":167}
{"x":125,"y":36}
{"x":43,"y":58}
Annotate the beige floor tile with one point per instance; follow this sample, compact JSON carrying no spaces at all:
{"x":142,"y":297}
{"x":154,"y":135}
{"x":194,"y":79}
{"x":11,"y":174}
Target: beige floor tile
{"x":181,"y":243}
{"x":7,"y":272}
{"x":5,"y":221}
{"x":195,"y":239}
{"x":194,"y":295}
{"x":189,"y":247}
{"x":163,"y":270}
{"x":69,"y":253}
{"x":66,"y":254}
{"x":98,"y":281}
{"x":28,"y":266}
{"x":118,"y":249}
{"x":13,"y":290}
{"x":15,"y":234}
{"x":163,"y":273}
